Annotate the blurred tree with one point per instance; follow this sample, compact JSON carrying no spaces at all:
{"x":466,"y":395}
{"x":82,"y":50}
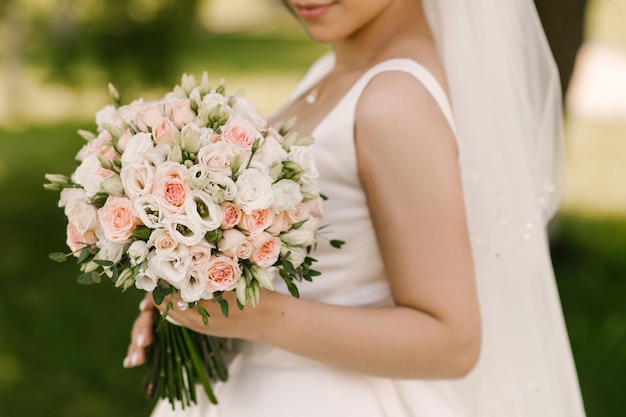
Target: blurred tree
{"x":126,"y":39}
{"x":12,"y":29}
{"x":563,"y":21}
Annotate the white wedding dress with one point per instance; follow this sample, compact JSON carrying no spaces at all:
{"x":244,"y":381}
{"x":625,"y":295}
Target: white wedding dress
{"x":526,"y":367}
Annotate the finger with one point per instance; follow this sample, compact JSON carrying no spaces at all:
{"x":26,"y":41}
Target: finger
{"x":141,"y":336}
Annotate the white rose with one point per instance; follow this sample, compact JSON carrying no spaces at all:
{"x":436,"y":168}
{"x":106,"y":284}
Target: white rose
{"x":254,"y":191}
{"x":184,"y":229}
{"x":287,"y":195}
{"x":137,"y":178}
{"x":138,"y":252}
{"x":170,"y":266}
{"x":217,"y":157}
{"x":87,"y":175}
{"x":140,"y":148}
{"x":235,"y":244}
{"x":271,"y":152}
{"x":108,"y":115}
{"x":246,"y":110}
{"x":82,"y":215}
{"x":149,"y":211}
{"x":162,"y":241}
{"x":200,"y":207}
{"x":70,"y":195}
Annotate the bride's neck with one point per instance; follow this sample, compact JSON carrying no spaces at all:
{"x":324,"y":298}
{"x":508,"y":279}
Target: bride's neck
{"x":382,"y":38}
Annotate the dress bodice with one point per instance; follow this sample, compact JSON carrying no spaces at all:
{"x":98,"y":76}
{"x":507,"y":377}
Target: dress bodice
{"x":354,"y":274}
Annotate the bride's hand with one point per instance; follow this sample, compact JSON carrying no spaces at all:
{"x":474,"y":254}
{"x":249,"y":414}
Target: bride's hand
{"x":141,"y":333}
{"x":239,"y":323}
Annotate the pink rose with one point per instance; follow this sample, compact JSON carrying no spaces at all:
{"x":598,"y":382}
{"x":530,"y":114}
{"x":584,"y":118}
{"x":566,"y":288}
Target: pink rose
{"x":162,"y":241}
{"x":148,"y":115}
{"x":118,"y":219}
{"x":240,"y":133}
{"x":299,"y":213}
{"x":221,"y":273}
{"x":235,"y":244}
{"x":76,"y":241}
{"x":280,"y":224}
{"x":231,"y":215}
{"x":257,"y":221}
{"x":170,"y":186}
{"x":200,"y":254}
{"x":182,"y":113}
{"x":266,"y":250}
{"x":163,"y":131}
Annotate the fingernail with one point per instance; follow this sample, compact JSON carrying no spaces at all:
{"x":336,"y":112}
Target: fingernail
{"x":126,"y":362}
{"x":142,"y":304}
{"x":140,"y":339}
{"x":134,"y":359}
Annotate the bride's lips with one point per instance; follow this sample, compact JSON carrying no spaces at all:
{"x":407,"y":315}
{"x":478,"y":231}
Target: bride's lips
{"x":309,"y":11}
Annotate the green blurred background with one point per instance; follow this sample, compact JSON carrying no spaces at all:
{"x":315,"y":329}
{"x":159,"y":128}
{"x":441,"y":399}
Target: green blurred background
{"x":62,"y":344}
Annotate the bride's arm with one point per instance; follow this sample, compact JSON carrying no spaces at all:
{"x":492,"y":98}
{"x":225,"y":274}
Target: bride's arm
{"x":408,"y":164}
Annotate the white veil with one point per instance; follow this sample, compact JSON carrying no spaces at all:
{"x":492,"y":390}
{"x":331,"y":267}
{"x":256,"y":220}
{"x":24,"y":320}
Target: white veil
{"x":506,"y":96}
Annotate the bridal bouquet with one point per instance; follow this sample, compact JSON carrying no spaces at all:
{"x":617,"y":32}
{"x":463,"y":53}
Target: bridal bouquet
{"x":193,"y":194}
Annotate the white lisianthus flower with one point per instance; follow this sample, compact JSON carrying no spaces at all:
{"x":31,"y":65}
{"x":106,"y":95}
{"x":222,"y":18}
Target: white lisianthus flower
{"x":200,"y":207}
{"x":217,"y":157}
{"x":221,"y":188}
{"x":170,"y":266}
{"x":198,"y":177}
{"x":299,"y":237}
{"x":109,"y":251}
{"x":271,"y":152}
{"x":254,"y":190}
{"x":287,"y":195}
{"x":137,"y":178}
{"x":146,"y":281}
{"x":112,"y":186}
{"x":185,"y":229}
{"x":192,"y":289}
{"x":149,"y":211}
{"x":138,"y":252}
{"x":296,"y":254}
{"x":265,"y":276}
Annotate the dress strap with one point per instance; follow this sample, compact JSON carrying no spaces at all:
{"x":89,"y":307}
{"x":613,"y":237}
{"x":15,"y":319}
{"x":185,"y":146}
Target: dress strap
{"x":425,"y":77}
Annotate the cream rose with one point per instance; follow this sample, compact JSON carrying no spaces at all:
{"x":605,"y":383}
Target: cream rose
{"x":246,"y":110}
{"x":200,"y":253}
{"x":271,"y":152}
{"x":217,"y":157}
{"x":76,"y":240}
{"x":164,"y":131}
{"x":137,"y":178}
{"x":221,"y":273}
{"x":182,"y":113}
{"x":239,"y":133}
{"x":87,"y":175}
{"x":170,"y":187}
{"x":235,"y":244}
{"x":162,"y":241}
{"x":118,"y":219}
{"x":148,"y":115}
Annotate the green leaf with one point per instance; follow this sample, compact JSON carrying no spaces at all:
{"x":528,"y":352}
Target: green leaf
{"x":85,"y":254}
{"x":142,"y":233}
{"x":205,"y":315}
{"x":337,"y":243}
{"x":288,"y":267}
{"x":159,"y":293}
{"x":85,"y":279}
{"x":103,"y":262}
{"x":59,"y":257}
{"x":224,"y":306}
{"x":95,"y":277}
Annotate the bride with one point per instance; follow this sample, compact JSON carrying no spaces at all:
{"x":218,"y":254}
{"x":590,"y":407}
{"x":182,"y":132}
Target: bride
{"x":437,"y":127}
